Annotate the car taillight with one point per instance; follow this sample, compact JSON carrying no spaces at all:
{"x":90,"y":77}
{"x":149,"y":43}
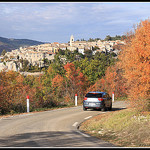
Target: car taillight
{"x":100,"y":99}
{"x":85,"y":98}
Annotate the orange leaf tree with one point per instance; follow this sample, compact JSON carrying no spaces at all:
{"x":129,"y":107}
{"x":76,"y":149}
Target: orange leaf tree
{"x":135,"y":60}
{"x":113,"y":81}
{"x":58,"y":88}
{"x":76,"y":82}
{"x":13,"y":92}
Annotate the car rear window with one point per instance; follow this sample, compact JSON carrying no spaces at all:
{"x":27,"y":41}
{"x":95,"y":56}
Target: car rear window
{"x":94,"y":95}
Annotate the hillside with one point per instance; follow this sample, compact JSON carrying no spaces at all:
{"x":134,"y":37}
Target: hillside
{"x":10,"y":44}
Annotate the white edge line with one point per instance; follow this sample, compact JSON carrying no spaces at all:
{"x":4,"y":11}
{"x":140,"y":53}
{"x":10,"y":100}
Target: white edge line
{"x":83,"y":134}
{"x":75,"y":124}
{"x":88,"y":117}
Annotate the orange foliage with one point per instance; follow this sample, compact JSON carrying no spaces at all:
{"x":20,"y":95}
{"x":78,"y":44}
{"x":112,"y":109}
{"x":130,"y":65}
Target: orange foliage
{"x":67,"y":98}
{"x":70,"y":70}
{"x":131,"y":75}
{"x":57,"y":81}
{"x":135,"y":60}
{"x":111,"y":82}
{"x":13,"y":91}
{"x":77,"y":82}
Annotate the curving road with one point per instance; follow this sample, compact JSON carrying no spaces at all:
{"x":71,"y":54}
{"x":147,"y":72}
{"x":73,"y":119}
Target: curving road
{"x":55,"y":128}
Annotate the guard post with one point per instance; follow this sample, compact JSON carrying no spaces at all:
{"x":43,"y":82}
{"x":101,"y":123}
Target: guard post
{"x":113,"y":97}
{"x":76,"y":99}
{"x":27,"y":103}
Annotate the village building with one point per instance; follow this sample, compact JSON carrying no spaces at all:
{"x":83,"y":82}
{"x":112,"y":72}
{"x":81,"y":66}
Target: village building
{"x":37,"y":53}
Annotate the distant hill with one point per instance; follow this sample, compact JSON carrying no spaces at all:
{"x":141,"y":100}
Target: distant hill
{"x":11,"y":44}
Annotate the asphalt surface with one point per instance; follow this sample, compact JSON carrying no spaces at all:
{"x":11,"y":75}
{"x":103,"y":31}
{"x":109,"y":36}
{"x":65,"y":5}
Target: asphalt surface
{"x":55,"y":128}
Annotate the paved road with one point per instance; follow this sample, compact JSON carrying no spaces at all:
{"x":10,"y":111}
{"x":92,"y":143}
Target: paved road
{"x":55,"y":128}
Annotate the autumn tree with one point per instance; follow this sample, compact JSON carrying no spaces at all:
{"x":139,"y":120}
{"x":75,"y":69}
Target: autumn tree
{"x":135,"y":60}
{"x":76,"y":82}
{"x":58,"y":88}
{"x":113,"y":81}
{"x":13,"y":92}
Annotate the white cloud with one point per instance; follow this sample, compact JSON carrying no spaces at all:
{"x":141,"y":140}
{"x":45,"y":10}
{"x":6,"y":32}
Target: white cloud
{"x":65,"y":18}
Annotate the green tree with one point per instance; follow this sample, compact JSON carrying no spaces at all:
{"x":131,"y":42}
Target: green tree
{"x":3,"y":52}
{"x":25,"y":65}
{"x":90,"y":40}
{"x":57,"y":65}
{"x":95,"y":67}
{"x":108,"y":38}
{"x":88,"y":53}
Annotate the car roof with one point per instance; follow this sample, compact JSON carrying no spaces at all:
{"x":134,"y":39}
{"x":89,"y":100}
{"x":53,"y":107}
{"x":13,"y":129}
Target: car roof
{"x":96,"y":92}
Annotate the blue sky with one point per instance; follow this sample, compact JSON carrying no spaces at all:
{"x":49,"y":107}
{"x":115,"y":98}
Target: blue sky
{"x":57,"y":21}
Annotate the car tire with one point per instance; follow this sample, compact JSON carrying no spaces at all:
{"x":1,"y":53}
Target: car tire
{"x":103,"y":108}
{"x":110,"y":108}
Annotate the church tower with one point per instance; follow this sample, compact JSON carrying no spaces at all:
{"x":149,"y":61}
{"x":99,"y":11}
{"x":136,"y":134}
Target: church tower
{"x":71,"y":40}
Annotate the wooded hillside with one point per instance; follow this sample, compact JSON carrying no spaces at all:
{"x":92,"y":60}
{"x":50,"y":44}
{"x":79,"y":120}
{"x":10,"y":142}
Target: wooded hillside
{"x":10,"y":44}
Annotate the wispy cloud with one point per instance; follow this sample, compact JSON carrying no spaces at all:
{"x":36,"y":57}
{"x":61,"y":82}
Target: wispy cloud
{"x":54,"y":21}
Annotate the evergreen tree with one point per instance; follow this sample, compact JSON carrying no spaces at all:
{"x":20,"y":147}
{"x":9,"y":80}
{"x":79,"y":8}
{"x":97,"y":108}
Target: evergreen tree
{"x":3,"y":52}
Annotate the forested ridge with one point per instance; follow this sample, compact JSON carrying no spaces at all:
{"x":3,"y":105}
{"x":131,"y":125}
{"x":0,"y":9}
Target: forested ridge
{"x":10,"y":44}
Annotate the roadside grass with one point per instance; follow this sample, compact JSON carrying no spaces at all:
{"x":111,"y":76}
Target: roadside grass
{"x":20,"y":109}
{"x":12,"y":112}
{"x":125,"y":128}
{"x":41,"y":109}
{"x":120,"y":98}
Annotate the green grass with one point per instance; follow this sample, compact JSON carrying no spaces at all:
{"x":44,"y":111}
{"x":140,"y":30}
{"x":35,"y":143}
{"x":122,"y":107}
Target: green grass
{"x":126,"y":128}
{"x":120,"y":98}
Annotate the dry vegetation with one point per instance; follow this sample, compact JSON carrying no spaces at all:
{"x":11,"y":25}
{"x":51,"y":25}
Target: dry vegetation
{"x":126,"y":128}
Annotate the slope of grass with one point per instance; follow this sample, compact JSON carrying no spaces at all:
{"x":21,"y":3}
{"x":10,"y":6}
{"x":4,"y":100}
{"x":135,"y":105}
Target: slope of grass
{"x":126,"y":128}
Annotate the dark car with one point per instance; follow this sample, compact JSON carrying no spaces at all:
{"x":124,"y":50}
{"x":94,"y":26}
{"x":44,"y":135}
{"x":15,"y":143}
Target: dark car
{"x":97,"y":100}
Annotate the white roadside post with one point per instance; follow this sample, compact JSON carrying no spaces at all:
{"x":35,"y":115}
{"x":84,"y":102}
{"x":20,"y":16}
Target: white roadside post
{"x":113,"y":97}
{"x":27,"y":104}
{"x":76,"y":100}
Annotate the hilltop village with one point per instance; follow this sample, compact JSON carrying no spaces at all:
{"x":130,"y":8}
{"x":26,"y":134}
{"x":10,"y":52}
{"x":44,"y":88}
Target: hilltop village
{"x":36,"y":54}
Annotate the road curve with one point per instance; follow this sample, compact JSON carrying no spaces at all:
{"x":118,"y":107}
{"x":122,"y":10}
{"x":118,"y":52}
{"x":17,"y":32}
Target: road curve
{"x":55,"y":128}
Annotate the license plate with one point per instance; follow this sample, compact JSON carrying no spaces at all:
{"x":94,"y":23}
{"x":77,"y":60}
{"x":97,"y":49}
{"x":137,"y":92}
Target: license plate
{"x":92,"y":104}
